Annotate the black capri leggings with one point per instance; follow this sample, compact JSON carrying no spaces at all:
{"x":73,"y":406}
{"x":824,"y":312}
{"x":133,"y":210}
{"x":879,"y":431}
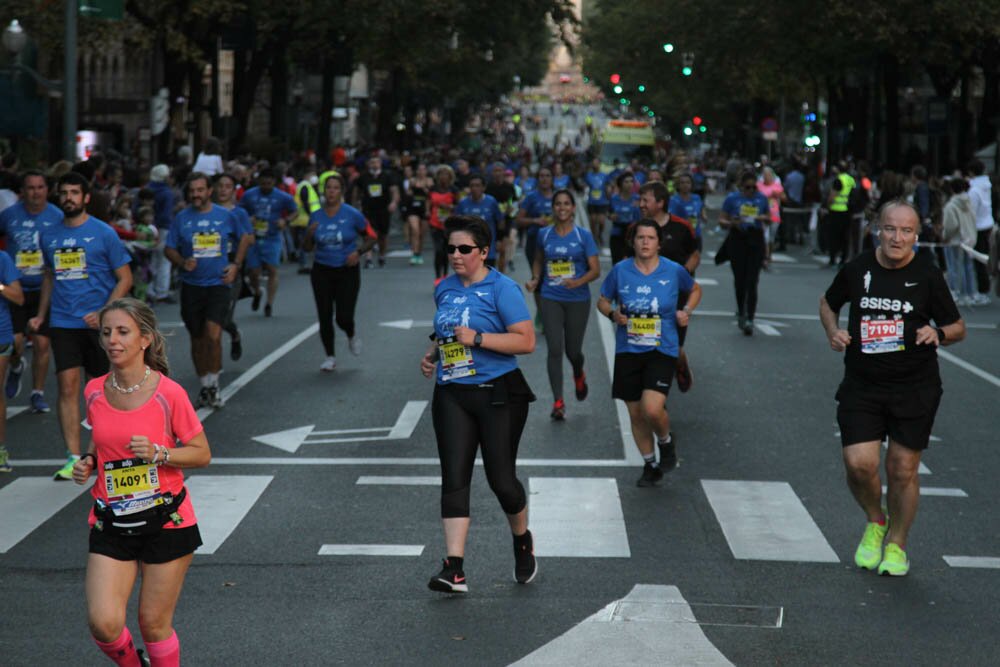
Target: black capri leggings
{"x":465,"y":417}
{"x":746,"y":256}
{"x":335,"y":288}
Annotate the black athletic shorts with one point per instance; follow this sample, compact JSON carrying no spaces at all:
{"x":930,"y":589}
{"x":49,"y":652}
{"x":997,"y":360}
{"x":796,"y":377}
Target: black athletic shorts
{"x":19,"y":315}
{"x":76,"y":348}
{"x":162,"y":547}
{"x":204,"y":304}
{"x":597,"y":208}
{"x":379,"y":221}
{"x":906,"y":415}
{"x":635,"y":373}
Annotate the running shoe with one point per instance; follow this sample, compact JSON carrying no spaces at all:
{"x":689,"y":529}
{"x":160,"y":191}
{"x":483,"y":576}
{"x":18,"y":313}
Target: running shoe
{"x":980,"y":299}
{"x":204,"y":398}
{"x":741,"y":322}
{"x":558,"y":410}
{"x":236,"y":347}
{"x":368,"y":264}
{"x":748,"y":328}
{"x":354,"y":345}
{"x":668,"y":454}
{"x":143,"y":659}
{"x":651,"y":475}
{"x":414,"y":260}
{"x":13,"y":386}
{"x":215,"y":398}
{"x":38,"y":404}
{"x":894,"y":561}
{"x":255,"y":304}
{"x":869,"y":552}
{"x":328,"y":365}
{"x":267,"y":310}
{"x":449,"y":580}
{"x":66,"y":472}
{"x":684,"y":377}
{"x":525,"y":565}
{"x":420,"y":260}
{"x":4,"y":461}
{"x":580,"y":382}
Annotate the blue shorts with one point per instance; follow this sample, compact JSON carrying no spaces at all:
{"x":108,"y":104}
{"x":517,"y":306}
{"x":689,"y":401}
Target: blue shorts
{"x":268,"y":251}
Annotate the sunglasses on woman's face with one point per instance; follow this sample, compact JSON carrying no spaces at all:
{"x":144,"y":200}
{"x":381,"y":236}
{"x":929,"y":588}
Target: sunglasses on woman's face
{"x":464,"y":249}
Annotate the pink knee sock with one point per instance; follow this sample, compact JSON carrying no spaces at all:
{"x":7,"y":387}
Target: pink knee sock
{"x":166,"y":653}
{"x":121,"y":650}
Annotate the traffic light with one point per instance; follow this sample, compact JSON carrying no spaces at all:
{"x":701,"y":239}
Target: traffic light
{"x":642,"y":88}
{"x":696,"y":120}
{"x":668,"y":47}
{"x":688,"y":131}
{"x":702,"y":128}
{"x":618,"y":90}
{"x":650,"y":113}
{"x":686,"y":71}
{"x":812,"y":141}
{"x":615,"y":78}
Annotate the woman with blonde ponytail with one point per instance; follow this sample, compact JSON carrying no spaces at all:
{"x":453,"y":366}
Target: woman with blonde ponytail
{"x":145,"y":431}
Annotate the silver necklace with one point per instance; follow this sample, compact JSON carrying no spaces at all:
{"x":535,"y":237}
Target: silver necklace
{"x":128,"y":390}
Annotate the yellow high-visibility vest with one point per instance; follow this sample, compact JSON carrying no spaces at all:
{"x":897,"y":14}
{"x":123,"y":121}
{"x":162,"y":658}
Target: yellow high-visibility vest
{"x":847,"y":184}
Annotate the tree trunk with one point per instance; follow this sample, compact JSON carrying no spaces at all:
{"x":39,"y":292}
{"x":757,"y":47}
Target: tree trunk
{"x":987,"y":125}
{"x":278,"y":126}
{"x":246,"y":79}
{"x":325,"y":112}
{"x":890,"y":83}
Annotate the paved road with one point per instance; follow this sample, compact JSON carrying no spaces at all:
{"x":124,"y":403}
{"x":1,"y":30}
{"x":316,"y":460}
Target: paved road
{"x":743,"y":556}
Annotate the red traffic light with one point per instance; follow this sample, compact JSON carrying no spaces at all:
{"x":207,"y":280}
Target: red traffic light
{"x":696,"y":120}
{"x":615,"y":78}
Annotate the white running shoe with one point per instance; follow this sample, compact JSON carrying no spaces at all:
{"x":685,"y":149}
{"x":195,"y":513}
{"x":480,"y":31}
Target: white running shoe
{"x":328,"y":365}
{"x":354,"y":343}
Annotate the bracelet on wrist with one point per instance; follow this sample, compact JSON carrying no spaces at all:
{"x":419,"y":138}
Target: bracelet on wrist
{"x":166,"y":455}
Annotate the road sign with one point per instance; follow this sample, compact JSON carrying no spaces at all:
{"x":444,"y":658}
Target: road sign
{"x":291,"y":439}
{"x":769,"y":124}
{"x":770,"y":136}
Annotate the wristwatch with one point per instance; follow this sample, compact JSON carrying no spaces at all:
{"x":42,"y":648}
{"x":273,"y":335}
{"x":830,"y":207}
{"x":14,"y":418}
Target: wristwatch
{"x":940,"y":334}
{"x":478,"y":340}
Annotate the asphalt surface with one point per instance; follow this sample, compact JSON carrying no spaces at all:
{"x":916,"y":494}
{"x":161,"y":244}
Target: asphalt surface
{"x":761,"y":409}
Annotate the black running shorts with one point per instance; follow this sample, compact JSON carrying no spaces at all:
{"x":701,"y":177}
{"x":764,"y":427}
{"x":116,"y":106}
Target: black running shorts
{"x":75,"y":348}
{"x":906,"y":415}
{"x":162,"y":547}
{"x":204,"y":304}
{"x":635,"y":373}
{"x":19,"y":315}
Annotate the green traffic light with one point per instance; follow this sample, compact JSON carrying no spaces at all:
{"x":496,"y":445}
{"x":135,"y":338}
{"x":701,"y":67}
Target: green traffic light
{"x":642,"y":88}
{"x":686,"y":71}
{"x":651,"y":114}
{"x":703,"y":129}
{"x":668,"y":47}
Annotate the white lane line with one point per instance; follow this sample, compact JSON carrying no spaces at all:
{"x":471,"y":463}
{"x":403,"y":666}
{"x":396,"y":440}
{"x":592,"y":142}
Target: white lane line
{"x":407,"y":421}
{"x":249,"y":374}
{"x":985,"y":562}
{"x":776,"y":316}
{"x":221,"y":502}
{"x":783,"y":258}
{"x":652,"y":625}
{"x":399,"y":480}
{"x":766,"y":521}
{"x":767,"y":329}
{"x":975,"y":370}
{"x":15,"y":410}
{"x":707,"y":282}
{"x":364,"y":461}
{"x":940,"y":491}
{"x":577,"y":518}
{"x":371,"y":550}
{"x":629,"y":449}
{"x":28,"y":502}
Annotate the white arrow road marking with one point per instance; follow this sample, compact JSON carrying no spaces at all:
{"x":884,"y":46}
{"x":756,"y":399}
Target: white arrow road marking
{"x":766,"y":329}
{"x":291,"y":439}
{"x":406,"y":324}
{"x":28,"y":502}
{"x":652,"y":625}
{"x":986,"y":562}
{"x":577,"y":518}
{"x":221,"y":502}
{"x":13,"y":411}
{"x":766,"y":521}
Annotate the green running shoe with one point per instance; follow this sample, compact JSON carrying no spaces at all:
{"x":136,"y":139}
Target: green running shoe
{"x":66,"y":472}
{"x":894,"y":562}
{"x":869,"y":552}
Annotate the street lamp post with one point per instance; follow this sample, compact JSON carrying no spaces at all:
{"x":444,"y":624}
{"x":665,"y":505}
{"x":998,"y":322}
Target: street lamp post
{"x":15,"y":39}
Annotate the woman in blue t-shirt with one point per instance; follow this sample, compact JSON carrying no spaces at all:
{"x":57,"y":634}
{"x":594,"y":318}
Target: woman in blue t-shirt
{"x":566,"y":261}
{"x":685,"y":204}
{"x":10,"y":292}
{"x":340,"y":235}
{"x":480,"y":398}
{"x":640,"y":296}
{"x":744,"y":213}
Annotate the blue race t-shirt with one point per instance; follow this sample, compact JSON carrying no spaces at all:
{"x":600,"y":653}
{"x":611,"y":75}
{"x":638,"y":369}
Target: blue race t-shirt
{"x":565,"y":257}
{"x":8,"y":274}
{"x":490,"y":306}
{"x":207,"y":237}
{"x":536,"y":205}
{"x":488,"y":209}
{"x":242,"y":220}
{"x":626,"y":211}
{"x":650,"y":302}
{"x":597,"y":182}
{"x":527,"y":185}
{"x":83,"y":261}
{"x":266,"y":210}
{"x":689,"y":209}
{"x":23,"y":231}
{"x":560,"y":182}
{"x":336,"y":235}
{"x":746,"y":209}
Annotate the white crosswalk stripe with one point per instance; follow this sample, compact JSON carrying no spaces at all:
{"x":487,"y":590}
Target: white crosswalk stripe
{"x":221,"y":502}
{"x":28,"y":502}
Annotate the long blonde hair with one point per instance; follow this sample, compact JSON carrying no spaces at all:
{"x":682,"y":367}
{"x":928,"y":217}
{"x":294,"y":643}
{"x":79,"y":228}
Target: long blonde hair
{"x":155,"y":355}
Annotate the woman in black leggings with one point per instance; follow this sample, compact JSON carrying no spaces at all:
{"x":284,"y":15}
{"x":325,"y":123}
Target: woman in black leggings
{"x":340,"y":235}
{"x":481,"y":398}
{"x":744,"y":213}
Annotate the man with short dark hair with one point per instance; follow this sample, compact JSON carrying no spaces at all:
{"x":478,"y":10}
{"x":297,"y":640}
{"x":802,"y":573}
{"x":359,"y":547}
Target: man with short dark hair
{"x":377,"y":195}
{"x":23,"y":225}
{"x":901,"y":311}
{"x":86,"y":267}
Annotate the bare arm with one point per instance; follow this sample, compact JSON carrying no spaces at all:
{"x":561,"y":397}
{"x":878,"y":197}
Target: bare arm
{"x":839,"y":338}
{"x":13,"y":292}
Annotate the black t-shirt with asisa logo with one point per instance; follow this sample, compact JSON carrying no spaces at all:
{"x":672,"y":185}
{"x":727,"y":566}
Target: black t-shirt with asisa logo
{"x":887,"y":308}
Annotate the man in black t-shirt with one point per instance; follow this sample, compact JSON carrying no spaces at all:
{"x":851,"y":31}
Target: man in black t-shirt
{"x":678,"y":243}
{"x":506,"y":196}
{"x":901,"y":310}
{"x":377,"y":195}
